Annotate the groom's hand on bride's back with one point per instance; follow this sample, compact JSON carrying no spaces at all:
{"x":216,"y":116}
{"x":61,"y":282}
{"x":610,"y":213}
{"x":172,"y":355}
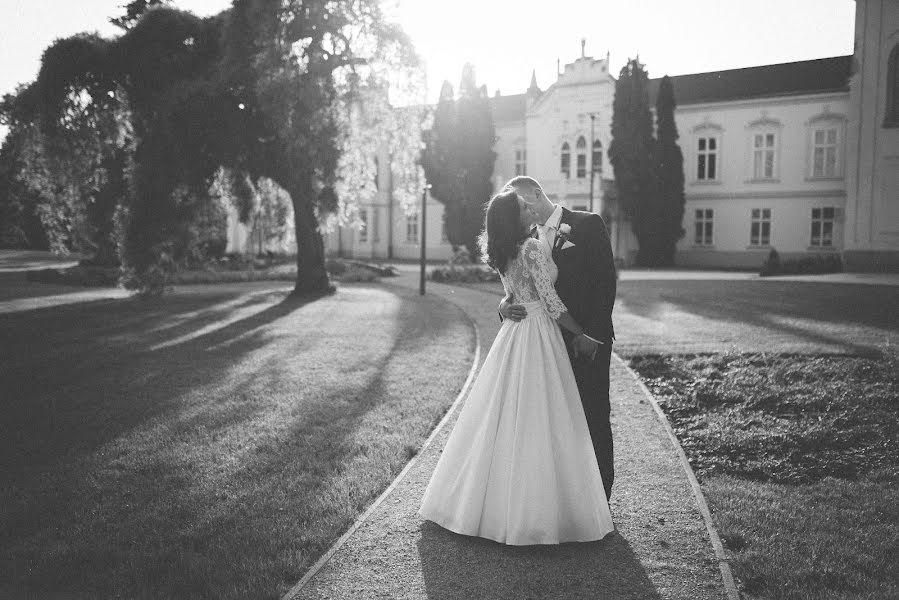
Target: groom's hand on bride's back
{"x":513,"y":312}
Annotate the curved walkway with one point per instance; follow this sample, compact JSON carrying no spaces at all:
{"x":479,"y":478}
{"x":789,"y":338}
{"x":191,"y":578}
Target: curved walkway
{"x":661,"y":549}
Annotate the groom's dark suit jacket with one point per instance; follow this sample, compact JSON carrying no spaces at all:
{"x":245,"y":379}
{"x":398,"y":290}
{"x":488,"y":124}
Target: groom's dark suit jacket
{"x":587,"y":282}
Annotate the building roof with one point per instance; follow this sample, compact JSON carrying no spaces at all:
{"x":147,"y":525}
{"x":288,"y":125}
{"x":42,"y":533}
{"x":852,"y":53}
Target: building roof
{"x":768,"y":81}
{"x":508,"y":108}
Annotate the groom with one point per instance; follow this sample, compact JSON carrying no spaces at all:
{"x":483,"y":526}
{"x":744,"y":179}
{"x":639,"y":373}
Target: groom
{"x":586,"y":284}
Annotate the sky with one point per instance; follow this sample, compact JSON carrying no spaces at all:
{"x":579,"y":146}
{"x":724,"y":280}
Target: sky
{"x":506,"y":39}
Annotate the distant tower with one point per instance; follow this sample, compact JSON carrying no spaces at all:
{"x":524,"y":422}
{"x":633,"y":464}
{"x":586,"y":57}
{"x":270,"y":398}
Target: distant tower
{"x":534,"y":91}
{"x":583,"y":47}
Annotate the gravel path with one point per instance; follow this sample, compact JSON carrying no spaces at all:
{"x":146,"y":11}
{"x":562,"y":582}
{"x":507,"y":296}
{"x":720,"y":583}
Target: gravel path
{"x":661,"y":548}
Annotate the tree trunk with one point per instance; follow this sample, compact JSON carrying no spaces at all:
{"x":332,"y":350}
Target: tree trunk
{"x":311,"y":275}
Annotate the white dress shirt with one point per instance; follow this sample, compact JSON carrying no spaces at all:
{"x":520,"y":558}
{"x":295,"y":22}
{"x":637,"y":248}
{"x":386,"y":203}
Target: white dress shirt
{"x":547,"y":232}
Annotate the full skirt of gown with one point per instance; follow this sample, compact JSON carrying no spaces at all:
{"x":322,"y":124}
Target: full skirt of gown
{"x":519,"y":467}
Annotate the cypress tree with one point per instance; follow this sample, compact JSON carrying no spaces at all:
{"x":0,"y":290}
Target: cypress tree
{"x":669,"y":178}
{"x":631,"y":155}
{"x":458,"y":159}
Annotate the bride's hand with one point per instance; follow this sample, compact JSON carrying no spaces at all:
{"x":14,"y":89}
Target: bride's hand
{"x":514,"y":312}
{"x":583,"y":346}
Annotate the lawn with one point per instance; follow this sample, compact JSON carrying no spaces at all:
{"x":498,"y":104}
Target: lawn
{"x":798,"y":458}
{"x":212,"y":444}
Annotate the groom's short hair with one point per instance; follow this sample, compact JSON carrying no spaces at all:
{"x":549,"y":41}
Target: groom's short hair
{"x":522,"y":182}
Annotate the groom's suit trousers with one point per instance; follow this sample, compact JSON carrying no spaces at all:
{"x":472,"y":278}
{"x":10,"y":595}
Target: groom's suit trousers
{"x":592,"y":377}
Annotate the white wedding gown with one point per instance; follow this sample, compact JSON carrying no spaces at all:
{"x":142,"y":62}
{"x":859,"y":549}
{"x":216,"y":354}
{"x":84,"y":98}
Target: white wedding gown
{"x":519,"y":467}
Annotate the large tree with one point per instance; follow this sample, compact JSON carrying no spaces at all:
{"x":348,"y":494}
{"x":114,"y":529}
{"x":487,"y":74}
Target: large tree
{"x":458,"y":158}
{"x":669,"y":168}
{"x":72,"y":166}
{"x":20,"y":225}
{"x":254,"y":90}
{"x":376,"y":133}
{"x":631,"y":155}
{"x":133,"y":12}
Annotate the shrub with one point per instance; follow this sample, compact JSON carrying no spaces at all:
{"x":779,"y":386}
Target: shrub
{"x":807,"y":265}
{"x":236,"y":261}
{"x":197,"y":277}
{"x":335,"y":267}
{"x":772,"y":265}
{"x":460,"y":257}
{"x":12,"y":236}
{"x":357,"y":274}
{"x":86,"y":276}
{"x":463,"y":274}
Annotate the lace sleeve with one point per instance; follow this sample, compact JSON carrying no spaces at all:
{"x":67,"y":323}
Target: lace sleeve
{"x":535,"y":257}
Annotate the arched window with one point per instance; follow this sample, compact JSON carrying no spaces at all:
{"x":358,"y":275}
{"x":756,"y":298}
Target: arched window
{"x":581,"y":157}
{"x":892,"y":114}
{"x":377,"y":172}
{"x":566,"y":160}
{"x":596,"y":159}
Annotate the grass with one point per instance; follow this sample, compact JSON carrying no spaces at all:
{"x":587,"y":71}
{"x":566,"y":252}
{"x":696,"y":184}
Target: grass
{"x":798,"y":459}
{"x":212,"y":444}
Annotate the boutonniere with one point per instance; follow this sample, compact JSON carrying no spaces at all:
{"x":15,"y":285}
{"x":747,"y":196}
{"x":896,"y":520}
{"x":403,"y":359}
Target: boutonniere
{"x":562,"y":240}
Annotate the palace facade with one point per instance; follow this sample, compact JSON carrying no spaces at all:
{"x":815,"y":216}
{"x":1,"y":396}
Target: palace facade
{"x":802,"y":157}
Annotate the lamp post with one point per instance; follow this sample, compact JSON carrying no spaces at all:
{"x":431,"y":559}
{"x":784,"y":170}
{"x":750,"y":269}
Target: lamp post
{"x":592,"y":157}
{"x":424,"y":237}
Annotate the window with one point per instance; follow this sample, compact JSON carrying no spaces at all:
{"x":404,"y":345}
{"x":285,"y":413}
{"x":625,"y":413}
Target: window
{"x":826,"y":141}
{"x":581,"y":157}
{"x":596,"y":159}
{"x":521,"y":162}
{"x":363,"y":226}
{"x":377,"y":171}
{"x":892,"y":112}
{"x":760,"y":229}
{"x":704,"y":218}
{"x":824,"y":152}
{"x":822,"y":227}
{"x":375,"y":229}
{"x":412,"y":229}
{"x":566,"y":161}
{"x":763,"y":155}
{"x":444,"y":237}
{"x":707,"y":158}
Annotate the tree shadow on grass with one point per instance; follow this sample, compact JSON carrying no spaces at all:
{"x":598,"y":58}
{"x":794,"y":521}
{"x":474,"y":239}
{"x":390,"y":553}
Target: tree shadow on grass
{"x":785,"y":310}
{"x":457,"y":567}
{"x":106,"y":379}
{"x":265,"y":500}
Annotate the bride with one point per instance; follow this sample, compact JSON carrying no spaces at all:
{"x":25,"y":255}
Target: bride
{"x":519,"y":466}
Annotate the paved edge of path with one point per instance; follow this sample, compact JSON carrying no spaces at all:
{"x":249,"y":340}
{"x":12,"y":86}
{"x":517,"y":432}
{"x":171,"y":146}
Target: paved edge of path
{"x":726,"y":575}
{"x":475,"y":365}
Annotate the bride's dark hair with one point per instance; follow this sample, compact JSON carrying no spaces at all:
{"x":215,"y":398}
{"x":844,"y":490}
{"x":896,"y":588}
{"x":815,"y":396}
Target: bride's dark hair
{"x":503,"y":232}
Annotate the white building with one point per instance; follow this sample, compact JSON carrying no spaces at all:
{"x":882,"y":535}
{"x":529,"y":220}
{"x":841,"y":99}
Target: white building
{"x":802,"y":157}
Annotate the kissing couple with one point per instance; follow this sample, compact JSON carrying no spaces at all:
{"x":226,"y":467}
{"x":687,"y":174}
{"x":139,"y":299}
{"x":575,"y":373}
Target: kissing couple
{"x":529,"y":460}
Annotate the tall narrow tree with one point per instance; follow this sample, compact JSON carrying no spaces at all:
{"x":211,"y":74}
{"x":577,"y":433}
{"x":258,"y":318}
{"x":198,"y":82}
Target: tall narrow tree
{"x":669,"y":167}
{"x":630,"y":153}
{"x":440,"y":162}
{"x":458,"y":159}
